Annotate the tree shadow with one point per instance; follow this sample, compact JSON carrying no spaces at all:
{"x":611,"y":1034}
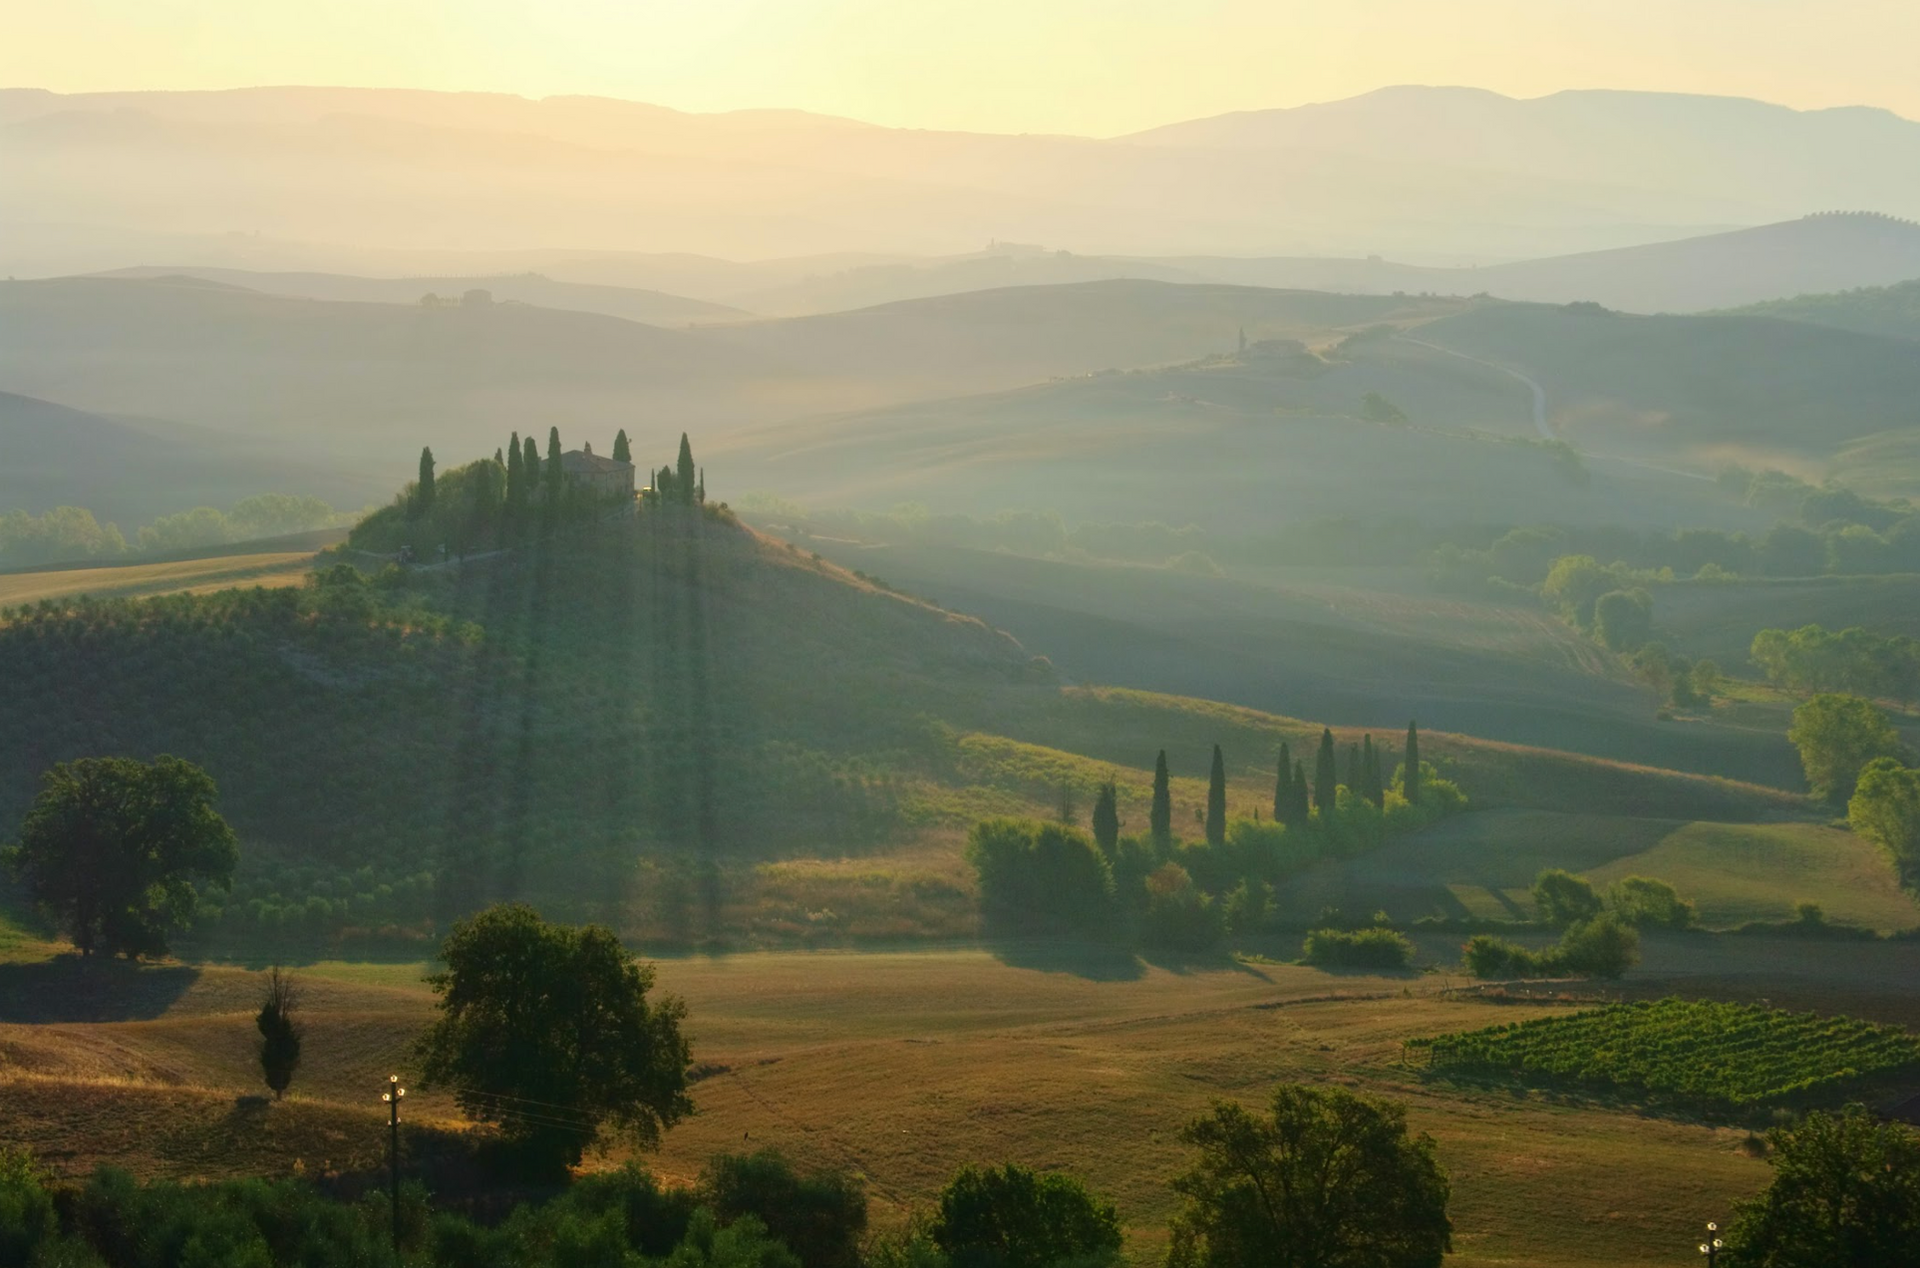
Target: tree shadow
{"x":1095,"y":961}
{"x":1185,"y":962}
{"x":69,"y":988}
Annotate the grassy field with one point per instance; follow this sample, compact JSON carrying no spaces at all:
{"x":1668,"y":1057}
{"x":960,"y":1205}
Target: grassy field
{"x":1719,"y":621}
{"x":191,"y":576}
{"x":897,"y":1066}
{"x":1482,"y":865}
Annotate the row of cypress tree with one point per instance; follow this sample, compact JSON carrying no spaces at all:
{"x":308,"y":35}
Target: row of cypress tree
{"x":1294,"y":798}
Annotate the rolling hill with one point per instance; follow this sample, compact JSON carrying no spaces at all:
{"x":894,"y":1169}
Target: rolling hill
{"x":1893,"y":311}
{"x":431,"y":171}
{"x":131,"y":470}
{"x":654,"y":308}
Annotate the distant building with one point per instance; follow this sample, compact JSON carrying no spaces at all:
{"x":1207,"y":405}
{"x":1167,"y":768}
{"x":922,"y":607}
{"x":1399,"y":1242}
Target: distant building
{"x":585,"y":469}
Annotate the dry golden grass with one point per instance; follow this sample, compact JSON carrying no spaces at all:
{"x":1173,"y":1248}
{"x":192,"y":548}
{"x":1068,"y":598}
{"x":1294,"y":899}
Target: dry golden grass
{"x":189,"y":576}
{"x":902,"y":1066}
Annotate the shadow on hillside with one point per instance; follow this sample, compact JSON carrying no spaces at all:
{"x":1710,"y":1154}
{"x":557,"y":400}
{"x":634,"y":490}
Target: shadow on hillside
{"x":1094,"y":961}
{"x":1182,"y":963}
{"x":70,"y":989}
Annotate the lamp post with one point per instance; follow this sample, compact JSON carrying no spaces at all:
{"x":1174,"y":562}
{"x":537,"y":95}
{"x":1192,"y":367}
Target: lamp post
{"x":1712,"y":1247}
{"x":392,"y":1097}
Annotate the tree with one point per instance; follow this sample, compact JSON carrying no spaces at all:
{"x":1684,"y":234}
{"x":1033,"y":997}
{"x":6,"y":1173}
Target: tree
{"x":1106,"y":818}
{"x":1623,"y":619}
{"x":546,"y":1031}
{"x":1837,"y":736}
{"x":1356,"y":778}
{"x":1845,"y":1194}
{"x":1327,"y":1179}
{"x":1217,"y":799}
{"x":116,"y":849}
{"x":622,"y":451}
{"x":552,"y":470}
{"x":1302,"y":793}
{"x":1560,"y":898}
{"x":1601,"y":947}
{"x":1160,"y":817}
{"x":1326,"y":780}
{"x":516,"y":485}
{"x":1641,"y":900}
{"x":1011,"y":1217}
{"x":1249,"y":904}
{"x":1375,"y":408}
{"x":423,"y":490}
{"x":279,"y":1032}
{"x":529,"y":468}
{"x":1885,"y":809}
{"x":819,"y":1217}
{"x":684,"y":475}
{"x":1370,"y":784}
{"x":1410,"y":766}
{"x":1283,"y":786}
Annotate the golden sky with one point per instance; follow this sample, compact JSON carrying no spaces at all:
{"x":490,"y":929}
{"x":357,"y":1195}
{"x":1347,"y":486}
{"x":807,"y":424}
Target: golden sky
{"x":1099,"y":67}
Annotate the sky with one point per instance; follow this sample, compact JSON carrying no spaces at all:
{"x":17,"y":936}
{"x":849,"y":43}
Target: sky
{"x":1093,"y":67}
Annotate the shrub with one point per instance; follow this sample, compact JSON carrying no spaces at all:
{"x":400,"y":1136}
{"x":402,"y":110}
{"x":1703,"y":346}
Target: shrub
{"x":1180,"y":916}
{"x":819,"y":1217}
{"x":1488,"y":956}
{"x":1012,"y":1217}
{"x":1560,"y":898}
{"x":1364,"y":948}
{"x":1601,"y":947}
{"x":1642,"y":901}
{"x":1046,"y":875}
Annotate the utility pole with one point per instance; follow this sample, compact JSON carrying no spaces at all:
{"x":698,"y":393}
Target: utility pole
{"x":392,"y":1097}
{"x":1712,"y":1247}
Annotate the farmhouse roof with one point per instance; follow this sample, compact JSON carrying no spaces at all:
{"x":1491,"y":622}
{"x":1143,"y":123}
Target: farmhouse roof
{"x":585,"y":462}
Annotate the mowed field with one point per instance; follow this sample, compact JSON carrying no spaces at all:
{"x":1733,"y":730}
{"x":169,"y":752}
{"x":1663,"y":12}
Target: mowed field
{"x":188,"y":576}
{"x":901,"y":1067}
{"x":1482,"y":865}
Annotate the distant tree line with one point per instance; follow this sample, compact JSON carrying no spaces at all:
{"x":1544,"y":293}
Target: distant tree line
{"x":71,"y":533}
{"x":1854,"y":661}
{"x":1163,"y":891}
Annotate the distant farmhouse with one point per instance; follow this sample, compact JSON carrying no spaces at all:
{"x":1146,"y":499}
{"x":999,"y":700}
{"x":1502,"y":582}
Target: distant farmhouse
{"x":585,"y":469}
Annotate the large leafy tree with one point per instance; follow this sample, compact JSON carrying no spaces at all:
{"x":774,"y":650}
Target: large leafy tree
{"x":1886,"y":809}
{"x":1837,"y":736}
{"x":547,"y":1032}
{"x":1011,"y":1217}
{"x":116,"y":849}
{"x":1845,"y":1194}
{"x":1326,"y":1179}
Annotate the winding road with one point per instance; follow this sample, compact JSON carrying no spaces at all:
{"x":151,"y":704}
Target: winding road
{"x":1539,"y":393}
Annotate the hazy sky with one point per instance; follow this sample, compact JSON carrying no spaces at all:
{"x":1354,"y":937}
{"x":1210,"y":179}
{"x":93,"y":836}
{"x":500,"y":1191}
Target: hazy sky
{"x":1089,"y":66}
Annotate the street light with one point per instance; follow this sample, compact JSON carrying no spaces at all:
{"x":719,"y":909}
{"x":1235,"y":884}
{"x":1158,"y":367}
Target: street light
{"x":1712,"y":1247}
{"x":392,"y":1097}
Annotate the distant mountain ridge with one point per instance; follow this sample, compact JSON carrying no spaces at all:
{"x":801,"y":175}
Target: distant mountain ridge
{"x":1433,"y":175}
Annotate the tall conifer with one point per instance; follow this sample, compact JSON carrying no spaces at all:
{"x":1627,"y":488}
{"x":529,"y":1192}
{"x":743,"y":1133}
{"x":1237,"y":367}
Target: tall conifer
{"x":552,"y":469}
{"x":1106,"y":818}
{"x":514,"y":484}
{"x":1411,"y":780}
{"x":1370,"y":772}
{"x":1355,"y":780}
{"x":1326,"y":779}
{"x":1160,"y":818}
{"x":1283,"y":786}
{"x":1302,"y":795}
{"x":684,"y":475}
{"x":423,"y":491}
{"x":1217,"y":799}
{"x":529,"y":467}
{"x":622,"y":451}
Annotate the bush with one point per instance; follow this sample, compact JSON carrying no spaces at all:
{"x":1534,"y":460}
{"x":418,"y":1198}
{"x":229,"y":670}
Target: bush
{"x":1011,"y":1217}
{"x":1365,"y":948}
{"x":820,"y":1217}
{"x":1601,"y":947}
{"x":1643,"y":901}
{"x":1487,"y":956}
{"x":1180,"y":916}
{"x":1045,"y":875}
{"x":1560,"y":898}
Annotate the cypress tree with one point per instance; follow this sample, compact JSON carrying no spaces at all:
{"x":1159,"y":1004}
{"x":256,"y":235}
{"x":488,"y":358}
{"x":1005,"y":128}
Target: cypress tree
{"x":622,"y":451}
{"x":529,"y":468}
{"x":552,"y":471}
{"x":423,"y":492}
{"x":279,"y":1033}
{"x":1326,"y":779}
{"x":1302,"y":796}
{"x":498,"y":460}
{"x":1106,"y":818}
{"x":1411,"y":780}
{"x":700,"y":491}
{"x":1355,"y":776}
{"x":1217,"y":799}
{"x":1283,"y":786}
{"x":1370,"y":772}
{"x":1160,"y":818}
{"x":683,"y":476}
{"x":514,"y":489}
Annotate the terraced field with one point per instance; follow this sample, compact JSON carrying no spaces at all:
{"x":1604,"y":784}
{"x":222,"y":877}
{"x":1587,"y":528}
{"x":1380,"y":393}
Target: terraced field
{"x":190,"y":576}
